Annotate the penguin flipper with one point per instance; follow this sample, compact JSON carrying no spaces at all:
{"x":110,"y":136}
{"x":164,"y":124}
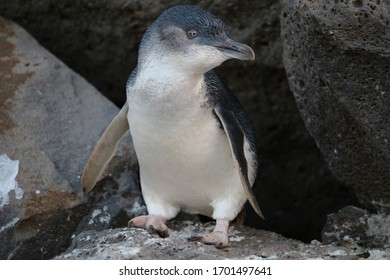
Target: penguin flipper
{"x":104,"y":149}
{"x":236,"y":138}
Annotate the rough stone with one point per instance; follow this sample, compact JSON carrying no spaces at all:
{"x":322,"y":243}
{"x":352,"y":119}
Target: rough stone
{"x":100,"y":39}
{"x":337,"y":57}
{"x":245,"y":243}
{"x":50,"y":120}
{"x":353,"y":227}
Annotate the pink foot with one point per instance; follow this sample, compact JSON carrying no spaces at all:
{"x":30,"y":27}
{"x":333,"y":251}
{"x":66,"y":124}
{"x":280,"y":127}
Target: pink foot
{"x":219,"y":236}
{"x":152,"y":223}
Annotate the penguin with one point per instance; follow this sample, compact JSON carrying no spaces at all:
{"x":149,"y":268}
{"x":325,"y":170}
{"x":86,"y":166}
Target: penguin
{"x":193,"y":139}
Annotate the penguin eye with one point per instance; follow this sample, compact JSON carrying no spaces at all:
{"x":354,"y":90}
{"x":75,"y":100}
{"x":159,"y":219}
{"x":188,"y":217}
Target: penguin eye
{"x":192,"y":34}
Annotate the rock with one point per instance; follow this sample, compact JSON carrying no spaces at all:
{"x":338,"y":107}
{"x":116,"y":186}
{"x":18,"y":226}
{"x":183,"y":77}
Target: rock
{"x":336,"y":55}
{"x":8,"y":172}
{"x":50,"y":120}
{"x":352,"y":227}
{"x":100,"y":39}
{"x":245,"y":243}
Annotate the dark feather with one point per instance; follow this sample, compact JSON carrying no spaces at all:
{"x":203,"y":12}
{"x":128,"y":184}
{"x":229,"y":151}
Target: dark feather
{"x":238,"y":129}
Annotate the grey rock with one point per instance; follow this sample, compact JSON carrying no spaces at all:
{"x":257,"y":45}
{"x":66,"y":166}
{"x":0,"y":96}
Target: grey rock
{"x":353,"y":227}
{"x":100,"y":39}
{"x":337,"y":56}
{"x":245,"y":243}
{"x":50,"y":120}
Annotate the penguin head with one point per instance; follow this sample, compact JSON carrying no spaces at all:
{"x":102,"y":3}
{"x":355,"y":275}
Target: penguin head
{"x":191,"y":39}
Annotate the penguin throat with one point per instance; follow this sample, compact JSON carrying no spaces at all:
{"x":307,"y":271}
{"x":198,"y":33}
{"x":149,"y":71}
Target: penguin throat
{"x":167,"y":79}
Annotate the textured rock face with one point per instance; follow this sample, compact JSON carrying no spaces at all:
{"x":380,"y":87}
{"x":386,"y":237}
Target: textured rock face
{"x":354,"y":227}
{"x":337,"y":57}
{"x":50,"y":119}
{"x":245,"y":243}
{"x":99,"y":39}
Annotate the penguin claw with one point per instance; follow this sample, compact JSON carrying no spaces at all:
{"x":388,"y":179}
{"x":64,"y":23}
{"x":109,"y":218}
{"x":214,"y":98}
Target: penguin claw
{"x":163,"y":233}
{"x":138,"y":222}
{"x":152,"y":223}
{"x":217,"y":238}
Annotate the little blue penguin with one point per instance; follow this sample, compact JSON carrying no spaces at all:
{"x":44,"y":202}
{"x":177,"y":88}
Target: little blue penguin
{"x":193,"y":140}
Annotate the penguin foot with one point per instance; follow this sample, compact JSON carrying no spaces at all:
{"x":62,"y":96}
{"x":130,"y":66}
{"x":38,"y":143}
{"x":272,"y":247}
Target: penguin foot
{"x":219,"y":236}
{"x":152,"y":223}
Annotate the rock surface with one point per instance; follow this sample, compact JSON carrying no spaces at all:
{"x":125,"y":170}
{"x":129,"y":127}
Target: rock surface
{"x":50,"y":120}
{"x":245,"y":243}
{"x":337,"y":57}
{"x":353,"y":227}
{"x":99,"y":39}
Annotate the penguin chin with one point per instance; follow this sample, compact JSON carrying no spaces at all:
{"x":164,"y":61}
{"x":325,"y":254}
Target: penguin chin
{"x":202,"y":59}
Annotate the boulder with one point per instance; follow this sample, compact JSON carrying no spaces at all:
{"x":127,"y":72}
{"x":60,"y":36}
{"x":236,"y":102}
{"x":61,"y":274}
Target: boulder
{"x":337,"y":56}
{"x":100,"y":39}
{"x":50,"y":120}
{"x":353,"y":227}
{"x":182,"y":244}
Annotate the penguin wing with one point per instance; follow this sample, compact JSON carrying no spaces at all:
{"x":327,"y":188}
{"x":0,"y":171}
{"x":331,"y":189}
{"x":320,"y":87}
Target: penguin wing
{"x":104,"y":149}
{"x":237,"y":139}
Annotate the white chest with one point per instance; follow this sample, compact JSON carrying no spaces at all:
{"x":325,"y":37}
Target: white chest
{"x":184,"y":156}
{"x":172,"y":130}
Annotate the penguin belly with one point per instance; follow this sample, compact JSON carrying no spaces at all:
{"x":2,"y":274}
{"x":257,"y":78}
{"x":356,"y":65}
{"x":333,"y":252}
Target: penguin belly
{"x":186,"y":164}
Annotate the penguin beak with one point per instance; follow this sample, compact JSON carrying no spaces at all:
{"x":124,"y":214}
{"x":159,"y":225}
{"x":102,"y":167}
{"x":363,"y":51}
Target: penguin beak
{"x":233,"y":49}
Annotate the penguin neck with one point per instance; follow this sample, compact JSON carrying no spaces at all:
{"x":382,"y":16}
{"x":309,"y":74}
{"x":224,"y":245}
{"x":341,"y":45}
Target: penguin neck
{"x":164,"y":92}
{"x":167,"y":75}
